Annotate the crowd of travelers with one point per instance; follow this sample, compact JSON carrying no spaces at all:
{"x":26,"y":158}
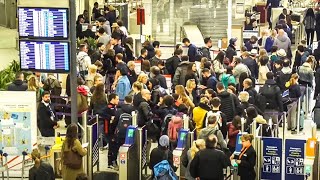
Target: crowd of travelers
{"x":215,"y":91}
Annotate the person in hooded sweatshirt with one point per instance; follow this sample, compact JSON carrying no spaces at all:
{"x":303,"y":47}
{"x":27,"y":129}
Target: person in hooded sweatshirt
{"x":18,"y":84}
{"x":283,"y":42}
{"x":229,"y":102}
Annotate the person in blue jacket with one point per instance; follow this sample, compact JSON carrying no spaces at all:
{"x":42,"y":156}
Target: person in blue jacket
{"x":192,"y":49}
{"x":123,"y":86}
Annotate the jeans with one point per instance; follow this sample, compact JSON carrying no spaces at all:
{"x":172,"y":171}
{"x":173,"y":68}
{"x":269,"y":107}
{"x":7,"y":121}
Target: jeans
{"x":102,"y":135}
{"x":310,"y":36}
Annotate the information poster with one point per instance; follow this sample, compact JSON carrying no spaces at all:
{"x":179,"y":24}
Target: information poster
{"x":272,"y":161}
{"x":294,"y":159}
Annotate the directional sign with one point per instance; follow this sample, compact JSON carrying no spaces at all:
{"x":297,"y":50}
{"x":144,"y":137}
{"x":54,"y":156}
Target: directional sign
{"x":294,"y":154}
{"x":272,"y":154}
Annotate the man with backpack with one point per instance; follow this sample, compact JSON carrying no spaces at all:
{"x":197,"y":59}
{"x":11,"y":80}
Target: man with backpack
{"x":83,"y":61}
{"x":181,"y":72}
{"x":272,"y":97}
{"x":173,"y":62}
{"x":162,"y":156}
{"x":222,"y":121}
{"x":213,"y":129}
{"x":123,"y":119}
{"x":209,"y":162}
{"x":206,"y":49}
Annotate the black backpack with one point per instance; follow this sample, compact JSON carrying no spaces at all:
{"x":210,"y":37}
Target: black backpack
{"x":125,"y":120}
{"x":268,"y":92}
{"x":169,"y":66}
{"x":260,"y":101}
{"x":165,"y":123}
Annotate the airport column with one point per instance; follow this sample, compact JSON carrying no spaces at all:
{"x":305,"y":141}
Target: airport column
{"x":73,"y":59}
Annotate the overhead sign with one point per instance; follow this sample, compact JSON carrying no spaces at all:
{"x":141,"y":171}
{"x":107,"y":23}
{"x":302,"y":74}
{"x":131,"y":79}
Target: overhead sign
{"x":294,"y":158}
{"x":272,"y":158}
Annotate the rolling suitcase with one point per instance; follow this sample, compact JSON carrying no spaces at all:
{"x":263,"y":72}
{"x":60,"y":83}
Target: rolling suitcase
{"x":316,"y":112}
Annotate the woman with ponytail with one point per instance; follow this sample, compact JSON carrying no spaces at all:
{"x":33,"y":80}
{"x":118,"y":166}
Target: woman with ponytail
{"x":247,"y":159}
{"x":41,"y":170}
{"x":196,"y":146}
{"x":293,"y":86}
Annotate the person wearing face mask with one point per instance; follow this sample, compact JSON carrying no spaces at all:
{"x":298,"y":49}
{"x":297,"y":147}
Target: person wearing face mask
{"x":247,"y":159}
{"x":47,"y":120}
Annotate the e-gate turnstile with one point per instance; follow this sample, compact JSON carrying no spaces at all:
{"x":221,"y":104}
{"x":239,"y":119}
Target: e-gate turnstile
{"x":129,"y":156}
{"x":185,"y":139}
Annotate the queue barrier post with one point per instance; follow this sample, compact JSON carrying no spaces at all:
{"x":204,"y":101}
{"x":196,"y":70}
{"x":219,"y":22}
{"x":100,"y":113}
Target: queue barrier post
{"x":24,"y":153}
{"x":89,"y":153}
{"x":5,"y":155}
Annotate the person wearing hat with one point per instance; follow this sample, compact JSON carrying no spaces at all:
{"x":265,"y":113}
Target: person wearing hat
{"x":231,"y":50}
{"x":103,"y":23}
{"x":162,"y":152}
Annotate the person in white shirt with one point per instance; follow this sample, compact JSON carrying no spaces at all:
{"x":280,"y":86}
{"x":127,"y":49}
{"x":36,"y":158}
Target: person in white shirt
{"x":83,"y":61}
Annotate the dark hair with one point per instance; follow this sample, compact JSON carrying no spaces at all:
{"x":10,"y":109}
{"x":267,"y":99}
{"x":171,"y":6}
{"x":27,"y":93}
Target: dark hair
{"x":82,"y":176}
{"x":72,"y":134}
{"x":220,"y":56}
{"x":101,"y":31}
{"x":270,"y":75}
{"x":99,"y":45}
{"x":112,"y":96}
{"x":251,"y":114}
{"x":243,"y":48}
{"x":178,"y":52}
{"x":156,"y":44}
{"x":161,"y":62}
{"x":175,"y":96}
{"x":254,"y":38}
{"x":212,"y":119}
{"x":205,"y":70}
{"x":80,"y":81}
{"x":286,"y":63}
{"x":211,"y":92}
{"x":274,"y":49}
{"x":207,"y":39}
{"x":237,"y":59}
{"x":128,"y":99}
{"x":185,"y":58}
{"x":155,"y":70}
{"x":236,"y":122}
{"x":215,"y":102}
{"x":82,"y":47}
{"x":168,"y":100}
{"x":99,"y":96}
{"x":154,"y":82}
{"x":119,"y":56}
{"x":184,"y":40}
{"x":264,"y":60}
{"x":207,"y":65}
{"x":229,"y":70}
{"x":129,"y":40}
{"x":177,"y":46}
{"x":145,"y":66}
{"x":211,"y":141}
{"x":189,"y":68}
{"x":183,"y":108}
{"x":310,"y":12}
{"x":120,"y":23}
{"x":300,"y":48}
{"x":143,"y":50}
{"x":45,"y":93}
{"x":96,"y":3}
{"x":220,"y":86}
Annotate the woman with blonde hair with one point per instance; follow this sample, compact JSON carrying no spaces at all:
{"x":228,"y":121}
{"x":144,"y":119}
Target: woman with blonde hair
{"x":92,"y":72}
{"x":179,"y":89}
{"x":143,"y":79}
{"x":192,"y":91}
{"x":270,"y":40}
{"x":197,"y":145}
{"x":35,"y":85}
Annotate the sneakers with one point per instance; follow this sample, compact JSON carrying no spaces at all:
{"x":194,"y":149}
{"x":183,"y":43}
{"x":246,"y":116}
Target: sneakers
{"x":114,"y":167}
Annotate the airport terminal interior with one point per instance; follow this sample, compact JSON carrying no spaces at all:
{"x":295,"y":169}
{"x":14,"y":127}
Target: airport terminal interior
{"x":160,"y":89}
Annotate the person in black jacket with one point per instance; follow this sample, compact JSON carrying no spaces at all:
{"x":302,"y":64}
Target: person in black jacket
{"x":162,"y":152}
{"x":231,"y":50}
{"x":89,"y":33}
{"x":46,"y":116}
{"x":250,"y":62}
{"x":204,"y":160}
{"x":273,"y":96}
{"x":229,"y":102}
{"x":173,"y":62}
{"x":157,"y":92}
{"x":317,"y":79}
{"x":165,"y":107}
{"x":156,"y":72}
{"x":41,"y":169}
{"x":247,"y":86}
{"x":247,"y":159}
{"x":18,"y":84}
{"x":144,"y":109}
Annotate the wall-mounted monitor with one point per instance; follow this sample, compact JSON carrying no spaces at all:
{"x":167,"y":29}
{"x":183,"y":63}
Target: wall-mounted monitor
{"x":51,"y":23}
{"x":45,"y":56}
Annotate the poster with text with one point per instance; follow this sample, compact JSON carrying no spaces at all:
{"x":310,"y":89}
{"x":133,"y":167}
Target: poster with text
{"x":294,"y":158}
{"x":272,"y":158}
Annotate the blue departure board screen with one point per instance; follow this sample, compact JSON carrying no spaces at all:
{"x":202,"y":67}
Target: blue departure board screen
{"x":44,"y":56}
{"x":43,"y":22}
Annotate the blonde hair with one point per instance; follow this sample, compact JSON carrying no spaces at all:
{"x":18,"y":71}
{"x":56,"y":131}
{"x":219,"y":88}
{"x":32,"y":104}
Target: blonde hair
{"x":35,"y":155}
{"x":137,"y":85}
{"x":247,"y":137}
{"x":243,"y":96}
{"x":141,"y":76}
{"x":93,"y":69}
{"x":291,"y":82}
{"x":273,"y":34}
{"x":197,"y":145}
{"x":189,"y":83}
{"x":263,"y":52}
{"x":32,"y":83}
{"x":265,"y":32}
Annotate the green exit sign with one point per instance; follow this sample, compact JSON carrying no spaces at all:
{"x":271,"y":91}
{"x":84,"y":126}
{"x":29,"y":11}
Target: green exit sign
{"x":308,"y":169}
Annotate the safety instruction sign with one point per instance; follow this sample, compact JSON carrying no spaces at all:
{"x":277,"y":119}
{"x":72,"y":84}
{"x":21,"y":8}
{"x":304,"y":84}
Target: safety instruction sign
{"x":294,"y":159}
{"x":272,"y":158}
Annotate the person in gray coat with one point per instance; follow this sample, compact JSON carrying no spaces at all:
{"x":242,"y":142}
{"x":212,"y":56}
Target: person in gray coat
{"x":283,"y":42}
{"x":213,"y":129}
{"x":180,"y":74}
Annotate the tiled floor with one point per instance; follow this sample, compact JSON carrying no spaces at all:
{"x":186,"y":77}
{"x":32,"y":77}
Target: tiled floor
{"x":8,"y":51}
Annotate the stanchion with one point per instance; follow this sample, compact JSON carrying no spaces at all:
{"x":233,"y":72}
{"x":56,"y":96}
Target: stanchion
{"x":23,"y":163}
{"x":47,"y":148}
{"x":298,"y":116}
{"x":84,"y":137}
{"x":89,"y":153}
{"x":134,"y":118}
{"x":243,"y":121}
{"x":5,"y":155}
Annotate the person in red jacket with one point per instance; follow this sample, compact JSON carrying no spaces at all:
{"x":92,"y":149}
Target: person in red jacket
{"x":233,"y":130}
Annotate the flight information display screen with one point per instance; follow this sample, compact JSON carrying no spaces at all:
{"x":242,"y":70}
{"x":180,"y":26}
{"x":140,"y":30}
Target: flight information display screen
{"x":43,"y":22}
{"x":44,"y":56}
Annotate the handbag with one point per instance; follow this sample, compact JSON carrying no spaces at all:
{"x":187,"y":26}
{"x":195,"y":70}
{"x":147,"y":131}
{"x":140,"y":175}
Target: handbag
{"x":72,"y":159}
